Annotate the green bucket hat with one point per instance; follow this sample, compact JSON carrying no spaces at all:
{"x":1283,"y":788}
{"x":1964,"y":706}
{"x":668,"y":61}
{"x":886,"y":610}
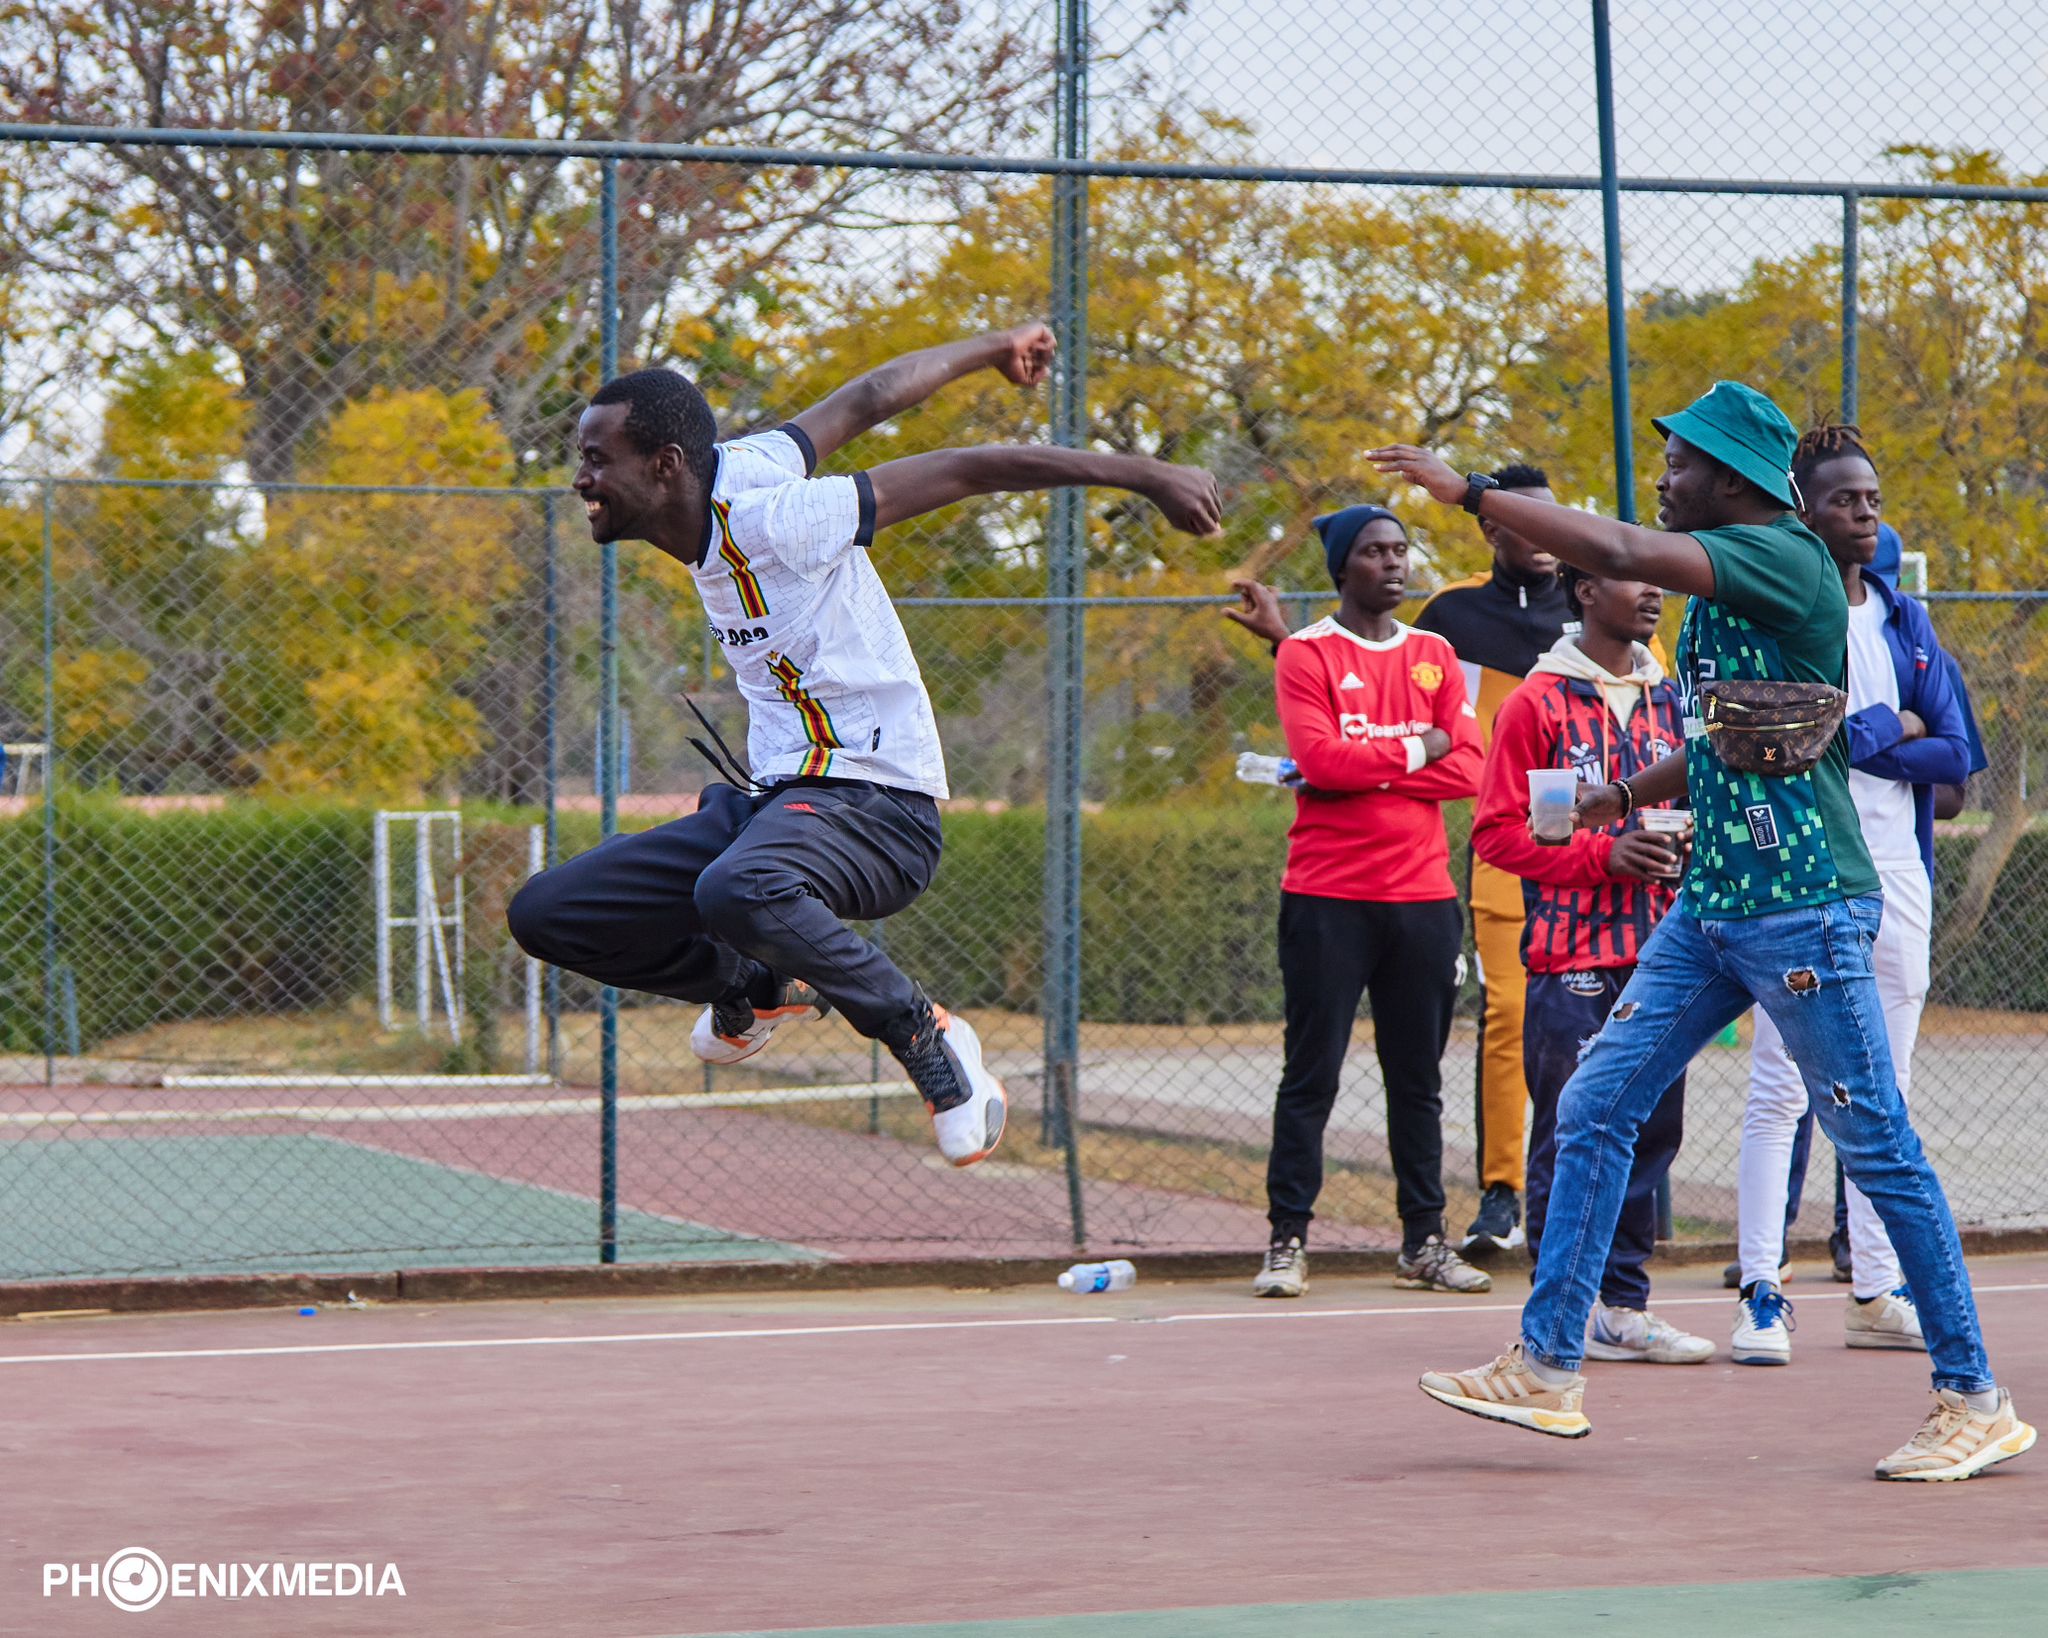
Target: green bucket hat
{"x":1743,"y":429}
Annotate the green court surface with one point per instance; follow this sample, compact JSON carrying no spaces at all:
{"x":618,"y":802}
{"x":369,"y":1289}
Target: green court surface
{"x":297,"y":1203}
{"x":2001,"y":1602}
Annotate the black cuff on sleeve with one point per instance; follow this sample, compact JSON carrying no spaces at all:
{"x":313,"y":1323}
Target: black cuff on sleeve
{"x":864,"y":486}
{"x":802,"y":439}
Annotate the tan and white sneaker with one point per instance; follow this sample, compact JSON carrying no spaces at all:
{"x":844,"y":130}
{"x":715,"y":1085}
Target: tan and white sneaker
{"x":1890,"y":1321}
{"x":1508,"y":1391}
{"x":1284,"y":1273}
{"x":1434,"y":1266}
{"x":1956,"y":1442}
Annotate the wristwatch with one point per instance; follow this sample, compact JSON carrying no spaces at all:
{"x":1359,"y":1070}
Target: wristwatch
{"x":1476,"y":485}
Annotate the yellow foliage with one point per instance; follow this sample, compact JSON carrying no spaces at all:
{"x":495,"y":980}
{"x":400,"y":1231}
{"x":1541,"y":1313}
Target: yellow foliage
{"x":99,"y":693}
{"x":376,"y":603}
{"x":382,"y":726}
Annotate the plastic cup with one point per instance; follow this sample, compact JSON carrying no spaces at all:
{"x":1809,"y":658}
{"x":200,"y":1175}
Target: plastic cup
{"x":1667,"y":821}
{"x":1552,"y":791}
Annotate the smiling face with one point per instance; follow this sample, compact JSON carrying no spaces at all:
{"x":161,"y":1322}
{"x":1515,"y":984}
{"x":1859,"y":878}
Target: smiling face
{"x":1376,"y":571}
{"x":1844,"y":507}
{"x":621,"y":486}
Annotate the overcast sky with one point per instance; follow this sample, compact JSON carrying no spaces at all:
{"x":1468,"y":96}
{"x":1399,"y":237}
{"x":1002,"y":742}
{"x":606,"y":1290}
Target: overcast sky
{"x":1716,"y":88}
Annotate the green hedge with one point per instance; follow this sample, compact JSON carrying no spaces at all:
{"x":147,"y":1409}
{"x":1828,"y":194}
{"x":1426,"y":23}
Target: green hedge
{"x":253,"y":908}
{"x":260,"y":908}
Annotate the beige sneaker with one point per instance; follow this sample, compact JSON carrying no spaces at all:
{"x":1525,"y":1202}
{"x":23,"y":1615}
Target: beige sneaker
{"x":1508,"y":1391}
{"x":1890,"y":1321}
{"x":1436,"y":1267}
{"x":1956,"y":1442}
{"x":1284,"y":1273}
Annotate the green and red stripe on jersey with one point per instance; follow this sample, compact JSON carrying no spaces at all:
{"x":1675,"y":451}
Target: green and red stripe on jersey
{"x":752,"y":599}
{"x":817,"y":720}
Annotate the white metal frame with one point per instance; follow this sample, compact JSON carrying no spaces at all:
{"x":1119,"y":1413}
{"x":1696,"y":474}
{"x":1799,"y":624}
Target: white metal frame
{"x":438,"y":942}
{"x":21,"y":755}
{"x":431,"y":925}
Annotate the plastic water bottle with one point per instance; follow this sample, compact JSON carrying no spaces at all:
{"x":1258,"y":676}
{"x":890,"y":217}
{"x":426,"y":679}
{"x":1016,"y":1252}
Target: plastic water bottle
{"x":1255,"y":769}
{"x":1115,"y":1276}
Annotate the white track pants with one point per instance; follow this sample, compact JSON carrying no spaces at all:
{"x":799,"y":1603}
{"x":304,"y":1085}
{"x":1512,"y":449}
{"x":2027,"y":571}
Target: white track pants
{"x":1778,"y":1097}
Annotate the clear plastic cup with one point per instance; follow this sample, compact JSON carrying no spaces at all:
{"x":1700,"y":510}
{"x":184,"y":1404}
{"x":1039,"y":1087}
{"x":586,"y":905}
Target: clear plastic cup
{"x":1552,"y":791}
{"x":1667,"y":821}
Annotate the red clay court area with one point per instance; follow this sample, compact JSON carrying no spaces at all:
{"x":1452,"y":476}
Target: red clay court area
{"x":1174,"y":1460}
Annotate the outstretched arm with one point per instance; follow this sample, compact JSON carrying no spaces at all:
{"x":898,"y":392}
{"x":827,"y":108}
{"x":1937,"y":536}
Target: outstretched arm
{"x":923,"y":483}
{"x":1022,"y":355}
{"x":1602,"y":546}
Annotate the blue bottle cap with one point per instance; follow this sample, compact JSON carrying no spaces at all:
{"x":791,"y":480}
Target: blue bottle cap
{"x":309,"y":1310}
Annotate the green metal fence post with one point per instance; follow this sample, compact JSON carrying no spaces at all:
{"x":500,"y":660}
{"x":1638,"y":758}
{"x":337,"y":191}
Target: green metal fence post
{"x":1066,"y":581}
{"x":608,"y":736}
{"x":551,"y":732}
{"x":50,"y":945}
{"x":1852,"y":209}
{"x":1617,"y":296}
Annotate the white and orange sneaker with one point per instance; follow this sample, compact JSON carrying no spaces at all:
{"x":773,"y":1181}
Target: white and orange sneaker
{"x":727,"y":1032}
{"x":1956,"y":1442}
{"x":1508,"y":1391}
{"x":968,"y":1106}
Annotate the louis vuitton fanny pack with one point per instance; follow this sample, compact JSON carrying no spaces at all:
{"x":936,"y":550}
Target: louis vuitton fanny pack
{"x":1774,"y":728}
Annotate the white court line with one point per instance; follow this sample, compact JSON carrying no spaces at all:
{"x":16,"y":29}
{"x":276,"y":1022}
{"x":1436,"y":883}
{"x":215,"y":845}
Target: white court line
{"x":321,"y":1115}
{"x":446,"y":1343}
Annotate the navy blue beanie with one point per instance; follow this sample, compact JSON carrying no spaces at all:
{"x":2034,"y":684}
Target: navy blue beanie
{"x":1340,"y":529}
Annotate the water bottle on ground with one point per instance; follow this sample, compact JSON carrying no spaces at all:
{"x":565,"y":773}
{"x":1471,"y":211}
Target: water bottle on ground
{"x":1113,"y":1276}
{"x":1255,"y":769}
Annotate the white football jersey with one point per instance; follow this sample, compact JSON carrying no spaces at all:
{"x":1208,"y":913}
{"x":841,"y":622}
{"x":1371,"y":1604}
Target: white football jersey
{"x":831,"y":686}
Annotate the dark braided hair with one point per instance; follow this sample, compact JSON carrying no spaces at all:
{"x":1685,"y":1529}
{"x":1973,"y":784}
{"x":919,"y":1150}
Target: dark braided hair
{"x":1821,"y":445}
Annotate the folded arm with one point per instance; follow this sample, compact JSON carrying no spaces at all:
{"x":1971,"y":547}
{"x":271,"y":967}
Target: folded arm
{"x":1879,"y":747}
{"x":923,"y":483}
{"x":1023,"y":355}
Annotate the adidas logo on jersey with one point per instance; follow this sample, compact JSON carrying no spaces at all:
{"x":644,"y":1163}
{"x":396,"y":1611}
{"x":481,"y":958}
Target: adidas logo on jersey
{"x":1351,"y":680}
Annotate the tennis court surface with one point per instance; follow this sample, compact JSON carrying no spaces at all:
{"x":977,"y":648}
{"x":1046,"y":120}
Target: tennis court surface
{"x":1175,"y":1460}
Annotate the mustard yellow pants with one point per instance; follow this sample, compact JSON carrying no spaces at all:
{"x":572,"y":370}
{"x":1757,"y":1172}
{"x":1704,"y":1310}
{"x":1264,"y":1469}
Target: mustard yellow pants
{"x":1501,"y":1104}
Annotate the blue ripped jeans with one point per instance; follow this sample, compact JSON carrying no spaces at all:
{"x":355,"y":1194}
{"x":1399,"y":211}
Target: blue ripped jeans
{"x":1810,"y":970}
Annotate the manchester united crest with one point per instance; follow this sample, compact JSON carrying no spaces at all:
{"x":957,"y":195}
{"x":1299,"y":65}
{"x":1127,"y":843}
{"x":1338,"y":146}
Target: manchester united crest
{"x":1428,"y":675}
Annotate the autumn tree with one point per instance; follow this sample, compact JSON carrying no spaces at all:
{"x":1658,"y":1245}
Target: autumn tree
{"x":326,"y":276}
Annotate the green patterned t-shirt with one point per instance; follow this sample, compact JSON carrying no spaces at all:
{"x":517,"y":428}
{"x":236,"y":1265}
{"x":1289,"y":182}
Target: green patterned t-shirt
{"x":1778,"y":612}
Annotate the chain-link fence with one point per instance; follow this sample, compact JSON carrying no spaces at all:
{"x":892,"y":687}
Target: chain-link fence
{"x":307,"y":660}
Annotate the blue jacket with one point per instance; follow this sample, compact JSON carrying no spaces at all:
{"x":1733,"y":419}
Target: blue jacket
{"x":1927,"y":688}
{"x":1890,"y":558}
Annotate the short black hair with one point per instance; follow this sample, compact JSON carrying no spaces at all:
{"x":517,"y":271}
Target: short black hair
{"x":1821,"y":445}
{"x":1520,"y":475}
{"x":1573,"y":578}
{"x":664,"y":407}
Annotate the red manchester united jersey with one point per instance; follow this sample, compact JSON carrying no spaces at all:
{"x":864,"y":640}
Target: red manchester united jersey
{"x":1370,"y":825}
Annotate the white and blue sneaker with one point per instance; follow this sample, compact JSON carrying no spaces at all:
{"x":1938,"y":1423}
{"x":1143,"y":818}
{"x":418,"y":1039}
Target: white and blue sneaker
{"x":1763,"y":1327}
{"x":1889,"y":1321}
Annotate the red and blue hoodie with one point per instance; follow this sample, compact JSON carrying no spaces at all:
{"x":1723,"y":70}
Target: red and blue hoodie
{"x":1572,"y":713}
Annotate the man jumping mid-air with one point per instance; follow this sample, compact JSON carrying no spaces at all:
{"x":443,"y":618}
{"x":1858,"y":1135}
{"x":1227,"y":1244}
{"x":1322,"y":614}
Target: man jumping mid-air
{"x":742,"y":905}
